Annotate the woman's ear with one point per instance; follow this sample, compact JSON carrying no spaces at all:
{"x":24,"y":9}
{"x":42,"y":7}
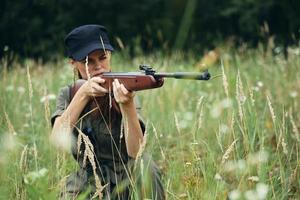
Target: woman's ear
{"x":71,"y":61}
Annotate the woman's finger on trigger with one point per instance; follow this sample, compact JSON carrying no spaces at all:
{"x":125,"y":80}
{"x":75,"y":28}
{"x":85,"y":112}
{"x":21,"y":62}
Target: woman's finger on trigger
{"x":98,"y":88}
{"x":115,"y":90}
{"x":123,"y":89}
{"x":117,"y":84}
{"x":114,"y":86}
{"x":116,"y":81}
{"x":98,"y":80}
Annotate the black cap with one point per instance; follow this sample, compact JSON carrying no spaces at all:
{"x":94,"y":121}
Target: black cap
{"x":85,"y":39}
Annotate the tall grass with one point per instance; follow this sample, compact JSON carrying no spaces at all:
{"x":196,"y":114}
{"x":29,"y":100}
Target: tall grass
{"x":236,"y":136}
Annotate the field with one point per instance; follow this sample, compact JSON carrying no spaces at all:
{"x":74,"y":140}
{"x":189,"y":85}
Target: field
{"x":233,"y":137}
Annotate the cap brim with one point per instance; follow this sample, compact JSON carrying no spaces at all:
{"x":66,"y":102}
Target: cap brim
{"x":82,"y":53}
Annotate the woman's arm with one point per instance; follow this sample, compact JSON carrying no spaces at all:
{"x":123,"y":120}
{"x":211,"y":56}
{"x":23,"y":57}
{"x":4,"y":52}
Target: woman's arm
{"x":133,"y":131}
{"x":77,"y":104}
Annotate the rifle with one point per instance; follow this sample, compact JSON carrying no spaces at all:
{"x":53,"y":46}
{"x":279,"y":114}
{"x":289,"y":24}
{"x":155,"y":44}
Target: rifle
{"x":147,"y":78}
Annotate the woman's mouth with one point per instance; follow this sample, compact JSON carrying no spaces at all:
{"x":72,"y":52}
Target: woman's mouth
{"x":97,"y":74}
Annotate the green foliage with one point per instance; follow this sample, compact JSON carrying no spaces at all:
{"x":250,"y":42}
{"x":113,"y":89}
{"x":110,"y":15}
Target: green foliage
{"x":36,"y":29}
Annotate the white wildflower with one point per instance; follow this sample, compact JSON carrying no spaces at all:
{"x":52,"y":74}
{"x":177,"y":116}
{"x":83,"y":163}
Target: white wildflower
{"x":239,"y":165}
{"x":194,"y":143}
{"x":293,"y":94}
{"x":226,"y":103}
{"x":223,"y":128}
{"x":188,"y":116}
{"x":250,"y":195}
{"x":256,"y":89}
{"x":260,"y":84}
{"x":184,"y":122}
{"x":253,"y":178}
{"x":262,"y":190}
{"x":259,"y":157}
{"x":62,"y":138}
{"x":215,"y":112}
{"x":220,"y":106}
{"x":234,"y":194}
{"x":218,"y":177}
{"x":260,"y":193}
{"x":31,"y":177}
{"x":8,"y":141}
{"x":49,"y":97}
{"x":21,"y":90}
{"x":9,"y":88}
{"x":242,"y":99}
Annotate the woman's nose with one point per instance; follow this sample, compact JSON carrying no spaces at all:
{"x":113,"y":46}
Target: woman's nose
{"x":97,"y":65}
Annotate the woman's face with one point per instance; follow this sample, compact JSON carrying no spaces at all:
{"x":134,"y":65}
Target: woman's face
{"x":98,"y":62}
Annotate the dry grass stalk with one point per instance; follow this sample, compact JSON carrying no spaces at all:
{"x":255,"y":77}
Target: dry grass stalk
{"x":294,"y":175}
{"x":29,"y":84}
{"x":120,"y":43}
{"x":5,"y":67}
{"x":295,"y":129}
{"x":271,"y":110}
{"x":23,"y":159}
{"x":89,"y":154}
{"x":156,"y":136}
{"x":252,"y":97}
{"x":225,"y":82}
{"x":102,"y":44}
{"x":199,"y":103}
{"x":284,"y":146}
{"x":47,"y":108}
{"x":79,"y":142}
{"x":177,"y":123}
{"x":200,"y":107}
{"x":228,"y":152}
{"x":124,"y":126}
{"x":232,"y":122}
{"x":11,"y":129}
{"x":35,"y":153}
{"x":241,"y":87}
{"x":87,"y":68}
{"x":30,"y":92}
{"x":141,"y":150}
{"x":219,"y":138}
{"x":238,"y":96}
{"x":142,"y":169}
{"x":122,"y":129}
{"x":199,"y":125}
{"x":58,"y":163}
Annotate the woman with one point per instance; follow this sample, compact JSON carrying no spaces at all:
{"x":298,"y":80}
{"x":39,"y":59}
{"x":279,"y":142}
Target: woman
{"x":100,"y":132}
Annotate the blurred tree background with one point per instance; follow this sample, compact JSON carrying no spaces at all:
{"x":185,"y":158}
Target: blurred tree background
{"x":36,"y":28}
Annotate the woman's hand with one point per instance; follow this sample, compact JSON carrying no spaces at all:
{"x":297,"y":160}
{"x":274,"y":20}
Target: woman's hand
{"x":121,"y":94}
{"x":92,"y":88}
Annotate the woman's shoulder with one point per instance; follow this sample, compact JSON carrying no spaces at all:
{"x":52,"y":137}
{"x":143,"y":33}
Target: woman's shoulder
{"x":64,"y":93}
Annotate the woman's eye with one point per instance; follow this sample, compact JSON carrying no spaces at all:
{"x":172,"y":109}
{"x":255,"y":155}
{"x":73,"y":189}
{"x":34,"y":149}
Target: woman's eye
{"x":91,"y":62}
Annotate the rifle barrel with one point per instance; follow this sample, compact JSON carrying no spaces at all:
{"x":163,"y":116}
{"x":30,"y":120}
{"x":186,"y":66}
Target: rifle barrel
{"x":177,"y":75}
{"x":184,"y":75}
